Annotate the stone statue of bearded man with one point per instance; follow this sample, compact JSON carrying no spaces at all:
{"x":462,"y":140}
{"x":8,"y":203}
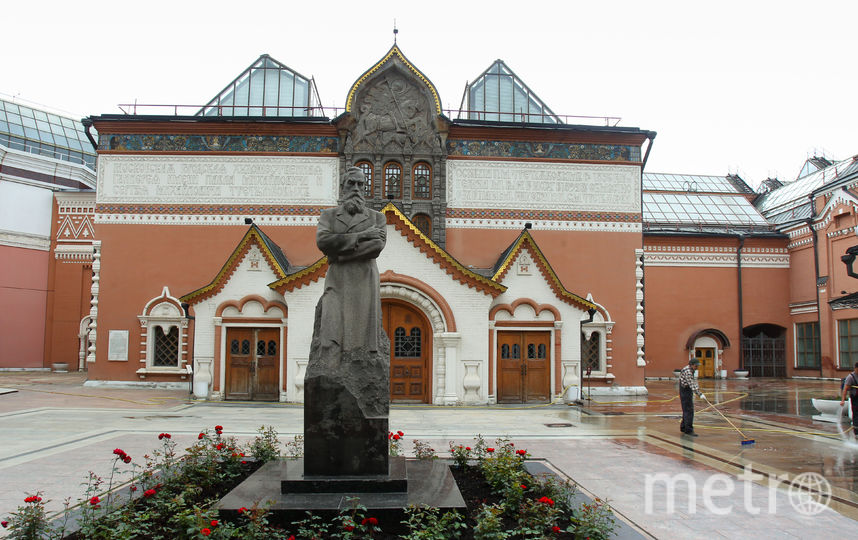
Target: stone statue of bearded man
{"x":347,"y":384}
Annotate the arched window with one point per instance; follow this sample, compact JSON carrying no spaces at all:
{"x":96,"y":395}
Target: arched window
{"x":166,"y":347}
{"x":590,"y":354}
{"x":422,"y":176}
{"x":366,"y":168}
{"x":392,"y":181}
{"x":424,"y":223}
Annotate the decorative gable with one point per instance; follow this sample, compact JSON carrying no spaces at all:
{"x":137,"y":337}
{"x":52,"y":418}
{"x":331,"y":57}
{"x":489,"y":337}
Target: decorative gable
{"x":267,"y":253}
{"x":420,"y":241}
{"x":524,"y":258}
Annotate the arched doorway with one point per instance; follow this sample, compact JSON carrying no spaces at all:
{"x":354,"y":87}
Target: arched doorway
{"x":410,"y":351}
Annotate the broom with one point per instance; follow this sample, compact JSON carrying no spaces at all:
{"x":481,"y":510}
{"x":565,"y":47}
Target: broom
{"x":745,"y":438}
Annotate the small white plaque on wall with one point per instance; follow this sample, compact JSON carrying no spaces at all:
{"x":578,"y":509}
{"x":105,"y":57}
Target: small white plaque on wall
{"x":117,"y":345}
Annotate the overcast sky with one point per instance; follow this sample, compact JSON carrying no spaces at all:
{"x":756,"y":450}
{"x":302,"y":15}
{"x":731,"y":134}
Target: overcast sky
{"x":753,"y":87}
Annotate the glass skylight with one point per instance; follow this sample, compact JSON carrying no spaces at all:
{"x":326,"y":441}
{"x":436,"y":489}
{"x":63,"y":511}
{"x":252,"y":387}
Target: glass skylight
{"x":700,"y":209}
{"x":796,"y":193}
{"x":688,"y":183}
{"x":44,"y":133}
{"x":266,"y":88}
{"x":498,"y":95}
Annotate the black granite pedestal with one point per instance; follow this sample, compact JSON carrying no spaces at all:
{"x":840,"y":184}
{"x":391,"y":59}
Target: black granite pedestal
{"x":429,"y":483}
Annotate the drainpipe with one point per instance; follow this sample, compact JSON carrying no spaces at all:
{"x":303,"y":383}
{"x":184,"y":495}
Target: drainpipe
{"x":814,"y":241}
{"x":87,"y":123}
{"x":741,"y":238}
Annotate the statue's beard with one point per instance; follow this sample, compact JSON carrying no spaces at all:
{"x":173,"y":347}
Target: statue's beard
{"x":354,"y":203}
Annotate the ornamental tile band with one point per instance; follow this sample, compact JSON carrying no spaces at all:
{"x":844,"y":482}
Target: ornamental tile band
{"x":527,"y":149}
{"x":199,"y":209}
{"x":555,"y":215}
{"x":218,"y":143}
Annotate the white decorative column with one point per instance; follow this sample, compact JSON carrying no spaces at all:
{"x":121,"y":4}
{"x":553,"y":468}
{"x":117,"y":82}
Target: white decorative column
{"x":93,"y":309}
{"x":471,"y":381}
{"x":439,"y":362}
{"x":300,"y":371}
{"x":450,"y":341}
{"x":639,"y":314}
{"x":569,"y":372}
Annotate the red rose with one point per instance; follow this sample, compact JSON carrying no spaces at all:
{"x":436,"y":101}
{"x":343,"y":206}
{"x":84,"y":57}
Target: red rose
{"x":133,"y":488}
{"x":149,"y":492}
{"x":468,"y":448}
{"x":396,"y":437}
{"x":556,"y":529}
{"x":400,"y":433}
{"x":490,"y":450}
{"x":521,"y":452}
{"x":127,"y":459}
{"x":390,"y":435}
{"x":214,"y":523}
{"x":219,"y":428}
{"x":119,"y":452}
{"x":93,"y":501}
{"x":201,"y":435}
{"x":6,"y":524}
{"x":292,"y":537}
{"x":160,"y":436}
{"x":546,"y":500}
{"x":242,"y":510}
{"x":219,"y":446}
{"x":244,"y":463}
{"x":523,"y":486}
{"x":348,"y":528}
{"x":370,"y":520}
{"x":206,"y":531}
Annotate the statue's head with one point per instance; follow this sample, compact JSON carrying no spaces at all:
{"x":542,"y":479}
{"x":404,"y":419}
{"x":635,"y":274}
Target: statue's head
{"x":353,"y":190}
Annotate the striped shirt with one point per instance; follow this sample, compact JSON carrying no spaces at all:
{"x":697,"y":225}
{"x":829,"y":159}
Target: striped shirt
{"x":686,"y":380}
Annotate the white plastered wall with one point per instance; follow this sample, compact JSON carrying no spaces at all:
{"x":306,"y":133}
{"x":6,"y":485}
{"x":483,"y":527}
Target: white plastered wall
{"x":531,"y":284}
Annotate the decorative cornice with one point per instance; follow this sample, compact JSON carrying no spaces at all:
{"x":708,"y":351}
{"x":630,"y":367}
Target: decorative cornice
{"x":308,"y":275}
{"x":716,"y":259}
{"x":25,"y":240}
{"x":204,"y":219}
{"x":74,"y":252}
{"x":525,"y":241}
{"x":542,"y":225}
{"x":394,"y":51}
{"x":541,"y":149}
{"x":252,"y":237}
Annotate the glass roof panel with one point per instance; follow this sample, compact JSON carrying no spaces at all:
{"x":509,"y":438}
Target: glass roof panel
{"x":688,"y":183}
{"x":795,"y":193}
{"x":706,"y":209}
{"x":40,"y":132}
{"x":499,"y":90}
{"x":266,"y":88}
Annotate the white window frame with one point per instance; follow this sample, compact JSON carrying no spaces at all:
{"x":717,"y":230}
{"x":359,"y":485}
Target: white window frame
{"x":163,"y":312}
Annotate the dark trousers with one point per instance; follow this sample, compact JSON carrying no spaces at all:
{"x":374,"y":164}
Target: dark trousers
{"x":686,"y":398}
{"x":854,"y":403}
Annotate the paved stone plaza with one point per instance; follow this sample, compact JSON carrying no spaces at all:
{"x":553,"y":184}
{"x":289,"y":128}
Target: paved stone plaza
{"x":55,"y":431}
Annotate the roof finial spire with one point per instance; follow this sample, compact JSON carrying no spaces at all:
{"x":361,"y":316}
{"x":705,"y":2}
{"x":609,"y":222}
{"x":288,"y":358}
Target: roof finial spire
{"x":395,"y":31}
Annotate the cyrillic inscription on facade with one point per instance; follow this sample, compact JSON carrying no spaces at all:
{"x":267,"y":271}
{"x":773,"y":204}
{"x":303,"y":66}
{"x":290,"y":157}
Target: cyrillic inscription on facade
{"x":217,"y":179}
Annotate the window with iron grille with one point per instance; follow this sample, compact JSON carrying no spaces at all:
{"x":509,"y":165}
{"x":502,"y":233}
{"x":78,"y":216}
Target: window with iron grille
{"x":366,"y":168}
{"x":807,"y":345}
{"x":392,"y":181}
{"x":590,"y":357}
{"x":405,"y":345}
{"x":166,"y":347}
{"x":424,"y":223}
{"x":422,"y":175}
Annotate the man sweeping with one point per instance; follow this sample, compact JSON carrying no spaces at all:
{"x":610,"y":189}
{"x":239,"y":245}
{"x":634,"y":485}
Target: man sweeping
{"x":687,"y":387}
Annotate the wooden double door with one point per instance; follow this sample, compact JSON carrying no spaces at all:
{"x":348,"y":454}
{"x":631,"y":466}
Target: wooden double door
{"x":524,"y":367}
{"x":410,"y":351}
{"x":706,"y":357}
{"x":252,"y":364}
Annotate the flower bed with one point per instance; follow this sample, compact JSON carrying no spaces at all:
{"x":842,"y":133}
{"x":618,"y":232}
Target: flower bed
{"x":167,"y":497}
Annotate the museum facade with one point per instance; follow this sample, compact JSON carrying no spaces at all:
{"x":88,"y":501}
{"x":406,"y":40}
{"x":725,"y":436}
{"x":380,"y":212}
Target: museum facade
{"x":528,"y":258}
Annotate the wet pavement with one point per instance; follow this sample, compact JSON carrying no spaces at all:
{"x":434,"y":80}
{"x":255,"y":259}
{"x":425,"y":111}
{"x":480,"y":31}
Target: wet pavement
{"x":628,"y":451}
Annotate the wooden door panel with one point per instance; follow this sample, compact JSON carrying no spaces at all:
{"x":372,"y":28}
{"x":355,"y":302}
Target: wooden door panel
{"x":410,"y":350}
{"x":239,"y":362}
{"x":537,"y":366}
{"x":267,"y":364}
{"x":509,"y":367}
{"x":706,"y":357}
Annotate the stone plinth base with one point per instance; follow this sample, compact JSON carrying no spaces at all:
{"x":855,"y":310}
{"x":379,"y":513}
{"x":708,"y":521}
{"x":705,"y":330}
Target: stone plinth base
{"x":295,"y":481}
{"x":429,"y":483}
